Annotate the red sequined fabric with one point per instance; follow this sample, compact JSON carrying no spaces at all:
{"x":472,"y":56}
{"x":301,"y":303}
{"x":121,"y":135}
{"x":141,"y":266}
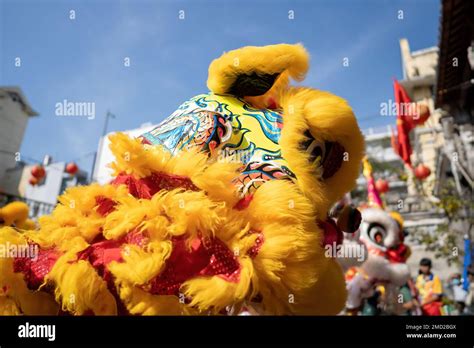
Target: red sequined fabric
{"x":147,"y":187}
{"x":254,"y":250}
{"x":101,"y":252}
{"x":210,"y":257}
{"x":36,"y":267}
{"x":205,"y":257}
{"x":104,"y":205}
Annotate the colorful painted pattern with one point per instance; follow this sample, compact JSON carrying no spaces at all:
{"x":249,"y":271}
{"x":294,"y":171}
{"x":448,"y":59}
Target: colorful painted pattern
{"x":230,"y":130}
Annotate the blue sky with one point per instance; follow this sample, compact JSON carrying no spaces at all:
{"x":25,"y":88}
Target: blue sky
{"x":82,"y":59}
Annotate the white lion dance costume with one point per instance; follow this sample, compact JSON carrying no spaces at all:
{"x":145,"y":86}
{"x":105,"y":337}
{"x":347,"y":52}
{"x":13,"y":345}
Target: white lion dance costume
{"x":224,"y":204}
{"x":381,"y":234}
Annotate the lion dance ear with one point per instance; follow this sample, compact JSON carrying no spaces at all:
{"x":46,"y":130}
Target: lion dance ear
{"x":253,"y":71}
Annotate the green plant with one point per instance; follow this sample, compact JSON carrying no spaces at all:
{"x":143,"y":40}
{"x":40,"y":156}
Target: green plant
{"x":446,"y":239}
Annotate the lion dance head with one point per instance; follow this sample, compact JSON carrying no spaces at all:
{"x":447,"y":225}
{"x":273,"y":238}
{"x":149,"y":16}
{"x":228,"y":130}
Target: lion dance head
{"x":223,"y":205}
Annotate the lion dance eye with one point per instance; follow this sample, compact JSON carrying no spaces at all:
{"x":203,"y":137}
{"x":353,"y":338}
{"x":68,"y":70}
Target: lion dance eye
{"x":377,"y":233}
{"x":316,"y":150}
{"x":325,"y":156}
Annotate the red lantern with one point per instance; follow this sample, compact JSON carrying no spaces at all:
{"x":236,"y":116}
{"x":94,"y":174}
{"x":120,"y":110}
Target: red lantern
{"x":381,"y":185}
{"x":422,"y":172}
{"x":72,"y":168}
{"x":33,"y":181}
{"x":38,"y":172}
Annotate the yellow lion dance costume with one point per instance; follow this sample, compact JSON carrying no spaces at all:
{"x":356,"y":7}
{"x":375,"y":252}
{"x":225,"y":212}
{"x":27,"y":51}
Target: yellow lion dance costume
{"x":223,"y":205}
{"x":16,"y":214}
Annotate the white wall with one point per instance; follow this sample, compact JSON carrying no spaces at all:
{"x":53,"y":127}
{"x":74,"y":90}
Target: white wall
{"x":49,"y":190}
{"x":102,"y":173}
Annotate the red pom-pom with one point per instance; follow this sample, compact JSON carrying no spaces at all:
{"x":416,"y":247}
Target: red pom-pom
{"x":382,"y":185}
{"x":38,"y":172}
{"x":422,"y":172}
{"x":72,"y":168}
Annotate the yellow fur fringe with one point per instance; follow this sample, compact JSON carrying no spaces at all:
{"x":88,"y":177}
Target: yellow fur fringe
{"x":327,"y":117}
{"x":15,"y":297}
{"x":16,"y":214}
{"x":287,"y":272}
{"x":293,"y":60}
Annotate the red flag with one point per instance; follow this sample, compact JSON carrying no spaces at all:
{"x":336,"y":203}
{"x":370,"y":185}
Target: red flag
{"x":405,"y":110}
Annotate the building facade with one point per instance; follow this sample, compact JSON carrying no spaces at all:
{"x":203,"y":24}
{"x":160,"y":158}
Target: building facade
{"x":454,"y":97}
{"x":419,"y":78}
{"x":15,"y":112}
{"x":15,"y":173}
